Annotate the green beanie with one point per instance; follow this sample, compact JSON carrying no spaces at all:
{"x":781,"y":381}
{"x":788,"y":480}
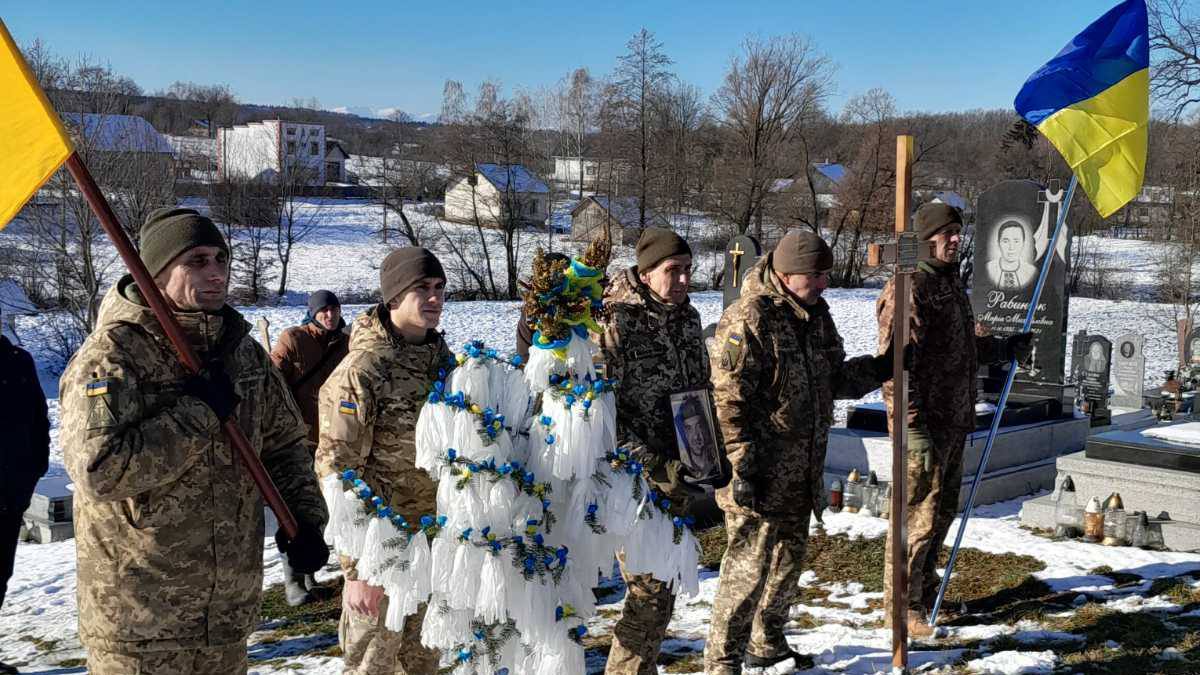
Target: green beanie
{"x":934,"y":217}
{"x":170,"y":231}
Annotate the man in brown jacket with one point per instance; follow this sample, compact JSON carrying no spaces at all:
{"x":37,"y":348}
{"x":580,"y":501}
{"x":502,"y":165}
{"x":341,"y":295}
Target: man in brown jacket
{"x":306,"y":355}
{"x":168,"y":523}
{"x":369,"y":408}
{"x":779,"y":364}
{"x":941,"y":409}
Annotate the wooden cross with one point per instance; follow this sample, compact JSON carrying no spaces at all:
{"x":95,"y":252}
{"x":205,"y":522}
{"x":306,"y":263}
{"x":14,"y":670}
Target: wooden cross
{"x":737,"y":255}
{"x":904,"y":255}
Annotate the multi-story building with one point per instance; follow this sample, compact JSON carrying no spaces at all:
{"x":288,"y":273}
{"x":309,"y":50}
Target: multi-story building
{"x":272,"y":150}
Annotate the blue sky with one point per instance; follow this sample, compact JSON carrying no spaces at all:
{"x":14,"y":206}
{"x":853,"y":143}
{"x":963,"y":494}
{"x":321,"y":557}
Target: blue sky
{"x":935,"y":55}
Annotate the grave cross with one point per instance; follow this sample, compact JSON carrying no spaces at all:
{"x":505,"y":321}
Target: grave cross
{"x":736,"y":252}
{"x":904,"y":255}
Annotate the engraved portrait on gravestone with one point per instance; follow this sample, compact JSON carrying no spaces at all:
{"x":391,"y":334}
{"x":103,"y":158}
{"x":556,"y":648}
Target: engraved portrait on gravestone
{"x":1010,"y":268}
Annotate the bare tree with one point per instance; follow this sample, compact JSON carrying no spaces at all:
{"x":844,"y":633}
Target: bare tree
{"x":579,"y":114}
{"x":213,"y":103}
{"x":773,"y":88}
{"x":1175,"y":46}
{"x":398,"y":178}
{"x":641,"y":74}
{"x":247,"y":210}
{"x":58,"y":229}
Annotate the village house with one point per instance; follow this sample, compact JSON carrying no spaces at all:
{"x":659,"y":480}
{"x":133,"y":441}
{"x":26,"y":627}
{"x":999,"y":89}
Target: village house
{"x":126,"y":139}
{"x":497,"y":194}
{"x":335,"y":161}
{"x":620,"y":215}
{"x":589,"y":173}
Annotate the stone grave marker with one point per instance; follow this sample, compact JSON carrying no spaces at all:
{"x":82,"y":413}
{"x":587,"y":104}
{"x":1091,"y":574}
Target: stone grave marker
{"x":1129,"y":371}
{"x":740,"y":255}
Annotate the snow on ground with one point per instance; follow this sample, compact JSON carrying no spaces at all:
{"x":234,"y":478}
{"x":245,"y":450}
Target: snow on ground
{"x":38,"y":620}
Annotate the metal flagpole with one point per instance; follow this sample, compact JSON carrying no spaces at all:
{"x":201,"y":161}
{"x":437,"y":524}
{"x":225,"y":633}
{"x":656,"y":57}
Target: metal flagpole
{"x":1047,"y":261}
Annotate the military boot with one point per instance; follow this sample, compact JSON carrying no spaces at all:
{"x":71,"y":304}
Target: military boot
{"x":294,"y":590}
{"x":800,"y":661}
{"x":6,"y":669}
{"x":918,"y":627}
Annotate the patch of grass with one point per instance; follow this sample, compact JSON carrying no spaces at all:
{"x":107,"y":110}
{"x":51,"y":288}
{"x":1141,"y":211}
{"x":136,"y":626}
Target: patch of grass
{"x":987,"y":581}
{"x":712,"y":546}
{"x":1177,"y":589}
{"x":1119,"y":578}
{"x":1098,"y":624}
{"x":71,"y":663}
{"x":42,"y":645}
{"x":687,"y":663}
{"x":318,"y":618}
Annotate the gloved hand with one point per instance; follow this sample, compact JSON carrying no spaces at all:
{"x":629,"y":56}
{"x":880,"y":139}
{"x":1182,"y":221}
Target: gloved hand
{"x":307,"y":553}
{"x":669,"y":477}
{"x":216,"y":391}
{"x":1018,"y":347}
{"x":743,"y":493}
{"x":886,"y":362}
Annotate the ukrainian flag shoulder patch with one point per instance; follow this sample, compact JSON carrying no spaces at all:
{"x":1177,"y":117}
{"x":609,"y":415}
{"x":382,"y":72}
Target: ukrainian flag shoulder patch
{"x":97,"y":387}
{"x":348,"y":408}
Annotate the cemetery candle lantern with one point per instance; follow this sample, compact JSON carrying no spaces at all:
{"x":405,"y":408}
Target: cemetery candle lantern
{"x":1154,"y":535}
{"x":885,"y":500}
{"x":1067,"y":513}
{"x":870,"y":496}
{"x":1114,"y":521}
{"x":853,"y":496}
{"x":1093,"y":521}
{"x":1136,"y":526}
{"x":835,"y":497}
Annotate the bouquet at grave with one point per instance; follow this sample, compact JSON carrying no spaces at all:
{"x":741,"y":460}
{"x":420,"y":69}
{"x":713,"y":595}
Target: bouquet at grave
{"x":534,"y":499}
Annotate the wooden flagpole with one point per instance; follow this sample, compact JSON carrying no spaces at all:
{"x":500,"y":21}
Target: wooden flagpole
{"x":904,"y":160}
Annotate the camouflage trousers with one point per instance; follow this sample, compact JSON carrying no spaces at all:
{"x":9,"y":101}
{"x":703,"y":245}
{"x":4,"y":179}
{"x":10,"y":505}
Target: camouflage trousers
{"x":935,"y":471}
{"x":368,"y":648}
{"x":639,"y":633}
{"x":759,"y":577}
{"x":226,"y":660}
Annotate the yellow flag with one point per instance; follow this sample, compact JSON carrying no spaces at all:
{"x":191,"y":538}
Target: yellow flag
{"x":33,"y":142}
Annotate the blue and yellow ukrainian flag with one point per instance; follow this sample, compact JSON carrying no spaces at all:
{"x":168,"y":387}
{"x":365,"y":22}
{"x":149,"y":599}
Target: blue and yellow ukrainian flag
{"x":1092,"y":101}
{"x":33,"y":141}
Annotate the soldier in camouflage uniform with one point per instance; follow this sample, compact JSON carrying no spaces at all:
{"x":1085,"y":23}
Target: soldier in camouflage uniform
{"x":779,"y":365}
{"x":369,"y":407}
{"x":653,"y":344}
{"x":168,"y":523}
{"x":941,"y":408}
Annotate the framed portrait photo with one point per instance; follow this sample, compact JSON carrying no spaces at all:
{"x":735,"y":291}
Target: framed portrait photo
{"x":696,"y":435}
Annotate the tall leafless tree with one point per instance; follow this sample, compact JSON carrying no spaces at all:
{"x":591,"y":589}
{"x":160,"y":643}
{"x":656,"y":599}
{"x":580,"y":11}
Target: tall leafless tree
{"x":772,"y":89}
{"x":641,"y":74}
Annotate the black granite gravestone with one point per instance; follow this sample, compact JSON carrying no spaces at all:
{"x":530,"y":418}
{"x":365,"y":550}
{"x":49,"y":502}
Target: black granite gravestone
{"x":1090,"y":367}
{"x":743,"y":251}
{"x":1014,"y":222}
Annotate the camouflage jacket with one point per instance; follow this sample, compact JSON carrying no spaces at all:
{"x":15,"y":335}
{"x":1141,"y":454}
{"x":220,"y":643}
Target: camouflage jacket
{"x":947,"y":351}
{"x":778,"y":367}
{"x":168,"y":523}
{"x":654,"y":349}
{"x":368,"y":414}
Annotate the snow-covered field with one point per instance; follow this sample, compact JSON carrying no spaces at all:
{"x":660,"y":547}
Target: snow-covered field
{"x":843,"y":633}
